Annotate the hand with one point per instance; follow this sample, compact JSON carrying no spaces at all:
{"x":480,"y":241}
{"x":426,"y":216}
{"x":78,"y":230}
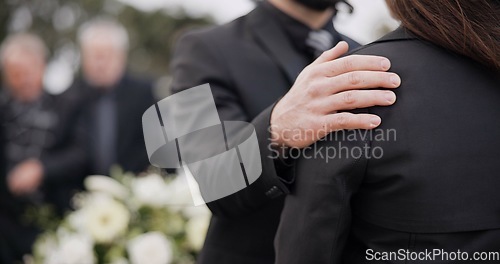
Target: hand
{"x":310,"y":110}
{"x":26,"y":177}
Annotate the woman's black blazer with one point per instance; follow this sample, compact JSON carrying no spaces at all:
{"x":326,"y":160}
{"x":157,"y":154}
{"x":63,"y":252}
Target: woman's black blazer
{"x":428,"y":179}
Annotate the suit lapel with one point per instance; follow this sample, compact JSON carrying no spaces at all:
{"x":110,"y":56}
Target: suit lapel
{"x":273,"y":40}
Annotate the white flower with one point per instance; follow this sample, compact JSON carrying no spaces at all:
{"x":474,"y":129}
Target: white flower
{"x":196,"y":231}
{"x":73,"y":249}
{"x":76,"y":221}
{"x":150,"y":190}
{"x":76,"y":249}
{"x":46,"y":244}
{"x":120,"y":261}
{"x":180,"y":193}
{"x":105,"y":218}
{"x":196,"y":211}
{"x":107,"y":185}
{"x":53,"y":257}
{"x":78,"y":200}
{"x":151,"y":248}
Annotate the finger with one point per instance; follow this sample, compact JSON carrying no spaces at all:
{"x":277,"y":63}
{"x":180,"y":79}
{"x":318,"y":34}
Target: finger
{"x":356,"y":99}
{"x":344,"y":120}
{"x":362,"y":80}
{"x":340,"y":49}
{"x":354,"y":63}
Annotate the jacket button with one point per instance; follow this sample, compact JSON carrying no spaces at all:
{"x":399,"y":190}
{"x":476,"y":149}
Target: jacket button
{"x":274,"y":192}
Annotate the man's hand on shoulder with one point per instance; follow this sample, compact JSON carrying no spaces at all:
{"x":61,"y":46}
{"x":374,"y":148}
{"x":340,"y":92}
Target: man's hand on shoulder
{"x":311,"y":109}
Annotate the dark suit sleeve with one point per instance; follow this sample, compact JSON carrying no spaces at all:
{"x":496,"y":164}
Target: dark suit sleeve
{"x":66,"y":160}
{"x":197,"y":62}
{"x":3,"y":162}
{"x":63,"y":164}
{"x":316,"y":218}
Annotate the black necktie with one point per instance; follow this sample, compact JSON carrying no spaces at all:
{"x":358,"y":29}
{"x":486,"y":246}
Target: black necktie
{"x":320,"y":41}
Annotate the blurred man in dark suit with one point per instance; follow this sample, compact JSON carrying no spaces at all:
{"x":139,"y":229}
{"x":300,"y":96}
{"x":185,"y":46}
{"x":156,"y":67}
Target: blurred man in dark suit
{"x":40,"y":158}
{"x":250,"y":64}
{"x":114,"y":100}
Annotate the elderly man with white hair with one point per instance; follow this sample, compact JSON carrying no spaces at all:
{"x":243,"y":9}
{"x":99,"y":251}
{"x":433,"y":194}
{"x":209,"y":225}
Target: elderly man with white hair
{"x":115,"y":101}
{"x":39,"y":155}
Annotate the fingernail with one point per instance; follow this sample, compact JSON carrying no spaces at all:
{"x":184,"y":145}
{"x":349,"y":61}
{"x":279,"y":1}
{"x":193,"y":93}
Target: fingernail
{"x":395,"y":80}
{"x":390,"y":97}
{"x":386,"y":64}
{"x":375,"y":121}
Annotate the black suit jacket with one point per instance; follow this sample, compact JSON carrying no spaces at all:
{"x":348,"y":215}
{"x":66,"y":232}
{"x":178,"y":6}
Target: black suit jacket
{"x":64,"y":162}
{"x":435,"y":185}
{"x":63,"y":158}
{"x":3,"y":164}
{"x":133,"y":97}
{"x":249,"y":64}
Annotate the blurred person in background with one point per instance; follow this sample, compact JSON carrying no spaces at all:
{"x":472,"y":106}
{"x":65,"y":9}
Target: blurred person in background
{"x":40,"y":158}
{"x":253,"y":62}
{"x":114,"y":101}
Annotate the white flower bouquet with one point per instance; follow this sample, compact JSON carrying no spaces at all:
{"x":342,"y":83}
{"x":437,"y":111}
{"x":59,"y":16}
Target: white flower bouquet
{"x":126,"y":219}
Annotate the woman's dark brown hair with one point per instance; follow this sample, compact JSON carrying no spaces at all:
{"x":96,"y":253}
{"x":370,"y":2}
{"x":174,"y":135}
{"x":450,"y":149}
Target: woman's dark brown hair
{"x":467,"y":27}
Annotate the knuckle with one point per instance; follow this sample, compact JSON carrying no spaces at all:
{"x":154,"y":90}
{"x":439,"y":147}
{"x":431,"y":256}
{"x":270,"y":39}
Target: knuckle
{"x":354,"y":78}
{"x":348,"y":64}
{"x":342,"y":121}
{"x":310,"y":72}
{"x":313,"y":89}
{"x":349,"y":98}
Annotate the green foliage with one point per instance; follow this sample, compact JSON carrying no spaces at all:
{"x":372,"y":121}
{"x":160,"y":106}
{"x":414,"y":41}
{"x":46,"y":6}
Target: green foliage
{"x":43,"y":216}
